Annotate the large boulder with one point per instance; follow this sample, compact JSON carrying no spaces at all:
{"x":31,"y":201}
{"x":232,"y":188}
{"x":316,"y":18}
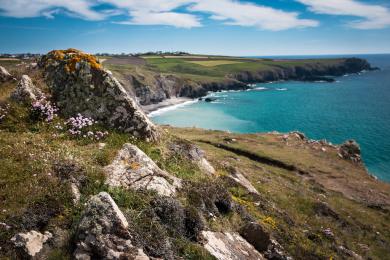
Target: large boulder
{"x":194,"y":154}
{"x":229,"y":246}
{"x":30,"y":243}
{"x":133,"y":169}
{"x":103,"y":232}
{"x":79,"y":84}
{"x":5,"y":75}
{"x":26,"y":91}
{"x":350,"y":150}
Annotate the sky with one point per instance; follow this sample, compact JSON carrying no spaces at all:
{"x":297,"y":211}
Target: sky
{"x":225,"y":27}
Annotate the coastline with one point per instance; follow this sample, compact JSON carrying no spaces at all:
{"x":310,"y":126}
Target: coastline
{"x":167,"y":105}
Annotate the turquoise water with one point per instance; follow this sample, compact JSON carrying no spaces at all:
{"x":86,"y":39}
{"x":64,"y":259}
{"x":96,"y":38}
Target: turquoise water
{"x":356,"y":106}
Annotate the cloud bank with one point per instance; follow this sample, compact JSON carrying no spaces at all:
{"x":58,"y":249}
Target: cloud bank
{"x":189,"y":13}
{"x":371,"y":16}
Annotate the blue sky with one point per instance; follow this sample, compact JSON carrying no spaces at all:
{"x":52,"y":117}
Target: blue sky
{"x":228,"y":27}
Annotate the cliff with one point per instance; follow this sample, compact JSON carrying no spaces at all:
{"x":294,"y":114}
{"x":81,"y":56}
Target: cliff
{"x":150,"y":86}
{"x":75,"y":186}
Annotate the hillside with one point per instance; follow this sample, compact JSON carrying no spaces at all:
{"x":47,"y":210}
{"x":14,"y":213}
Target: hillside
{"x":86,"y":175}
{"x":153,"y":79}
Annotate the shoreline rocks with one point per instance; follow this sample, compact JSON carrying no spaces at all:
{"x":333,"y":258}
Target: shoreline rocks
{"x":350,"y":150}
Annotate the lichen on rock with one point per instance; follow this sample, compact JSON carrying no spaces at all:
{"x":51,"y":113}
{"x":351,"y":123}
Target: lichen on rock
{"x":26,"y":91}
{"x":79,"y":84}
{"x":102,"y":232}
{"x":132,"y":168}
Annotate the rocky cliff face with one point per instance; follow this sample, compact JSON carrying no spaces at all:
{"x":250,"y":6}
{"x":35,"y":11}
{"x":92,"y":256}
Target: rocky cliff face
{"x":79,"y":84}
{"x":308,"y":72}
{"x":155,"y":88}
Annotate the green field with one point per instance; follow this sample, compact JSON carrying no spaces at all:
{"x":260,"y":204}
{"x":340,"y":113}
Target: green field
{"x":204,"y":68}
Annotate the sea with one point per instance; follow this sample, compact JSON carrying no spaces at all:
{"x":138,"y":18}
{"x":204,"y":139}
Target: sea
{"x":356,"y":106}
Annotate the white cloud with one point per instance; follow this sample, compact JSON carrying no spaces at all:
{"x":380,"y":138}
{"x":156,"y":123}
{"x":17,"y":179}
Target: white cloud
{"x":178,"y":13}
{"x":35,"y":8}
{"x":248,"y":14}
{"x":179,"y":20}
{"x":372,"y":16}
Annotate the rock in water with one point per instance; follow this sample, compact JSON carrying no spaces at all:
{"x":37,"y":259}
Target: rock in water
{"x":80,"y":85}
{"x":102,"y":232}
{"x":4,"y":75}
{"x":229,"y":246}
{"x":26,"y":91}
{"x":32,"y":242}
{"x":350,"y":150}
{"x":132,"y":168}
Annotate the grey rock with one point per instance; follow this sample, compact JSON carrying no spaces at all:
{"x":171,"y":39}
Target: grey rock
{"x":240,"y":179}
{"x":26,"y":91}
{"x":92,"y":91}
{"x":31,"y":243}
{"x":276,"y":252}
{"x":103,"y":232}
{"x":194,"y":154}
{"x":132,"y":168}
{"x":229,"y":246}
{"x":5,"y":75}
{"x":256,"y":236}
{"x":350,"y":150}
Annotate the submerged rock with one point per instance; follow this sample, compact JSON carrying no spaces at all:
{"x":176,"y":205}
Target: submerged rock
{"x":26,"y":91}
{"x":5,"y":75}
{"x":31,"y":243}
{"x":79,"y":84}
{"x":103,"y":232}
{"x":229,"y":246}
{"x":350,"y":150}
{"x":132,"y":168}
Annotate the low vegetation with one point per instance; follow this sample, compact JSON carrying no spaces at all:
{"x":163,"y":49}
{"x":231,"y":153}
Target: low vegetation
{"x":315,"y":204}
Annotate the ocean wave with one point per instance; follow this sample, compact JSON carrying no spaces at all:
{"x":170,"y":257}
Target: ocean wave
{"x":281,"y":89}
{"x":170,"y":108}
{"x":260,"y":88}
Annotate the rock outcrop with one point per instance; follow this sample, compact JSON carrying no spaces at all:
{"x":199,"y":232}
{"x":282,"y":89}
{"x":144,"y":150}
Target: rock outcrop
{"x":5,"y":75}
{"x":350,"y":150}
{"x":194,"y":154}
{"x":240,"y":179}
{"x":31,"y":243}
{"x":79,"y":84}
{"x":305,"y":72}
{"x":102,"y":232}
{"x":229,"y":246}
{"x":26,"y":91}
{"x":133,"y":169}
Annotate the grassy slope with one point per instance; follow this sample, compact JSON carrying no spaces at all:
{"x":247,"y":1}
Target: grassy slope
{"x":29,"y":188}
{"x":210,"y":68}
{"x":288,"y":200}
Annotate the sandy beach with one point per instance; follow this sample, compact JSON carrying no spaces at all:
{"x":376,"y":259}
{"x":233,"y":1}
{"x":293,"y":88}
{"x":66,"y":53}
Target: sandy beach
{"x":167,"y":104}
